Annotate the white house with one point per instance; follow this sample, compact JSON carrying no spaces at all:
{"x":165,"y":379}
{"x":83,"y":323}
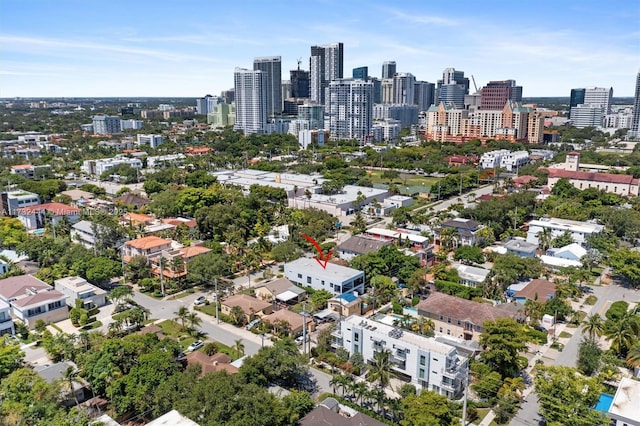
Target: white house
{"x":624,"y":409}
{"x":14,"y":200}
{"x":470,"y":276}
{"x":36,"y":217}
{"x":334,"y":278}
{"x":570,"y":252}
{"x":78,"y":288}
{"x":425,"y":362}
{"x":31,"y":299}
{"x":6,"y":323}
{"x":579,"y":231}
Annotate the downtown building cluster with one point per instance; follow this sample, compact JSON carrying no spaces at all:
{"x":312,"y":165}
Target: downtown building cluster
{"x":323,"y":104}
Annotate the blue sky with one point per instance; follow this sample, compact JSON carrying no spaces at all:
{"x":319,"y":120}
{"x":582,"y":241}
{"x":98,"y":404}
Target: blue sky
{"x":190,"y":47}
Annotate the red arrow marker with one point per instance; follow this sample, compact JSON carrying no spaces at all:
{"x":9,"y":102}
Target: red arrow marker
{"x":322,"y":259}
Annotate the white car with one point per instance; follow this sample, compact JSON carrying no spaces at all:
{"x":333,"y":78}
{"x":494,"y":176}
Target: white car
{"x":200,"y":301}
{"x":195,"y":345}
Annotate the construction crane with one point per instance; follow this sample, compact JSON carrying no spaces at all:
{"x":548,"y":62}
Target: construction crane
{"x":474,"y":83}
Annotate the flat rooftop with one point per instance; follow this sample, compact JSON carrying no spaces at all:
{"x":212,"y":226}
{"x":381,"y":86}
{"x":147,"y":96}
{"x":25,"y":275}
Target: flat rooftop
{"x":626,"y":402}
{"x":340,"y":273}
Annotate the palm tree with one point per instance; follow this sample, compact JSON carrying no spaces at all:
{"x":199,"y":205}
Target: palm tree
{"x":339,"y":381}
{"x":69,"y":377}
{"x":237,"y":314}
{"x":593,"y":326}
{"x":621,"y":336}
{"x":194,"y":320}
{"x":545,"y":237}
{"x":633,"y":356}
{"x":423,"y":326}
{"x":239,"y":347}
{"x":381,"y":368}
{"x":360,"y":389}
{"x":181,"y":315}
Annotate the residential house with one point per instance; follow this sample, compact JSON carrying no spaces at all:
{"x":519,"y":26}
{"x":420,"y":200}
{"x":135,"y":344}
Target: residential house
{"x":36,"y":217}
{"x":251,"y":306}
{"x":4,"y":267}
{"x":14,"y":200}
{"x":173,"y":263}
{"x":137,"y":220}
{"x":295,"y":321}
{"x":419,"y":360}
{"x":149,"y":247}
{"x":172,"y":418}
{"x":358,"y":245}
{"x":6,"y":322}
{"x":129,"y":199}
{"x":334,"y":278}
{"x":579,"y":231}
{"x":462,"y":318}
{"x":520,"y":247}
{"x":78,"y":288}
{"x":281,"y":290}
{"x":399,"y":237}
{"x":471,"y":276}
{"x":56,"y":373}
{"x":539,"y":290}
{"x":211,"y":364}
{"x":572,"y":251}
{"x":465,"y":230}
{"x":339,"y":414}
{"x":345,"y":305}
{"x":31,"y":300}
{"x":25,"y":170}
{"x":84,"y":232}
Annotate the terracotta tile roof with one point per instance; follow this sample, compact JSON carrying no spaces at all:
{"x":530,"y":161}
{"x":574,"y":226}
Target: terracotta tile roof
{"x":591,"y":176}
{"x":523,"y":180}
{"x":180,"y":221}
{"x":57,"y":209}
{"x":147,"y":242}
{"x":541,"y":288}
{"x":192,"y":251}
{"x":213,"y":363}
{"x":138,"y":217}
{"x":21,"y":166}
{"x":132,"y":199}
{"x":16,"y":286}
{"x":246,"y":302}
{"x":294,"y":320}
{"x":461,"y":309}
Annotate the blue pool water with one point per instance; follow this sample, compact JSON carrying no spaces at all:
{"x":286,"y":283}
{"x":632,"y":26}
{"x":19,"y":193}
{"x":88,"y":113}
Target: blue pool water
{"x":604,"y":402}
{"x":39,"y":231}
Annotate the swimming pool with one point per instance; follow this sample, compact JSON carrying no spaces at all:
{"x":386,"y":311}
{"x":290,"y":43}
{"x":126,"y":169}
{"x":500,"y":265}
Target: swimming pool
{"x":604,"y":403}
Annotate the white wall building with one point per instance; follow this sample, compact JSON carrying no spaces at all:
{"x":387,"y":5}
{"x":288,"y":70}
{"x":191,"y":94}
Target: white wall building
{"x":579,"y":231}
{"x":101,"y":165}
{"x":336,"y":279}
{"x":152,"y":140}
{"x":106,"y":124}
{"x":78,"y":288}
{"x":6,"y":323}
{"x":350,"y":109}
{"x":131,"y":124}
{"x":587,"y":116}
{"x":514,"y":160}
{"x":251,"y":100}
{"x":340,"y":204}
{"x":13,"y":200}
{"x":493,"y":159}
{"x":425,"y":362}
{"x":599,"y":96}
{"x":326,"y":64}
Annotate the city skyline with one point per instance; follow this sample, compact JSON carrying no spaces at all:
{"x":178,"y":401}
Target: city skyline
{"x":69,"y":48}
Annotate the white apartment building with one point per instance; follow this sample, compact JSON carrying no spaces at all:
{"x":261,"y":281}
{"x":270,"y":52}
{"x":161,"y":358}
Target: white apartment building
{"x":271,"y":66}
{"x":336,"y":279}
{"x":152,"y":140}
{"x":599,"y":96}
{"x":14,"y":200}
{"x":326,"y":64}
{"x":422,"y":361}
{"x":99,"y":166}
{"x":131,"y":124}
{"x":514,"y":160}
{"x":78,"y":288}
{"x":162,"y":160}
{"x":579,"y":231}
{"x":404,"y":88}
{"x":251,"y":101}
{"x":493,"y":159}
{"x":350,"y":109}
{"x":587,"y":116}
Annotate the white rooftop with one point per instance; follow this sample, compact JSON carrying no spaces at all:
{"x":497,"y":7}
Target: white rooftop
{"x":626,"y":402}
{"x":172,"y":418}
{"x":471,"y":272}
{"x":423,"y":342}
{"x":390,"y":233}
{"x":341,"y":273}
{"x":564,"y":224}
{"x":559,"y":262}
{"x":348,"y":195}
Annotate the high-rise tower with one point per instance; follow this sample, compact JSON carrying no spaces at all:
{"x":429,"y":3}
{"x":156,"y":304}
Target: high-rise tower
{"x":404,"y":88}
{"x":495,"y":94}
{"x":635,"y":123}
{"x":326,"y":64}
{"x":271,"y":66}
{"x":350,"y":109}
{"x":388,"y":69}
{"x":251,"y":100}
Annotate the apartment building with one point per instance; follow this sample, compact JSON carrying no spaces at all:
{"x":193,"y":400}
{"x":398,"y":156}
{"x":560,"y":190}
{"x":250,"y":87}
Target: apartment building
{"x":336,"y":279}
{"x":422,"y":361}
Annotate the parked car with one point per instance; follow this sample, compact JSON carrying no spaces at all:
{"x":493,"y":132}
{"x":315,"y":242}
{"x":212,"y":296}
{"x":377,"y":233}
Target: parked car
{"x":253,"y":323}
{"x":195,"y":345}
{"x":200,"y":301}
{"x":300,"y":339}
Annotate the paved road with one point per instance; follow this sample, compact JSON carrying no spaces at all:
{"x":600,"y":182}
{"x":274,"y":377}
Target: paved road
{"x":528,"y":414}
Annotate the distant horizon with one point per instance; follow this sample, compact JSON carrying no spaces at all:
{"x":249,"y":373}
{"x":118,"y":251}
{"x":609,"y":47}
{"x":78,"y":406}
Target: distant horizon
{"x":17,"y":98}
{"x":76,"y":49}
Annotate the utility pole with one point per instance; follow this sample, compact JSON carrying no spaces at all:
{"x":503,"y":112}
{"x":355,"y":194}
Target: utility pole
{"x":464,"y":401}
{"x":304,"y":329}
{"x":161,"y":277}
{"x":216,"y":300}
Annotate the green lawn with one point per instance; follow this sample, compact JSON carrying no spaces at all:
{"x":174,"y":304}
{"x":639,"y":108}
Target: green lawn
{"x":207,"y":309}
{"x":171,"y":328}
{"x":403,"y":179}
{"x":564,"y":335}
